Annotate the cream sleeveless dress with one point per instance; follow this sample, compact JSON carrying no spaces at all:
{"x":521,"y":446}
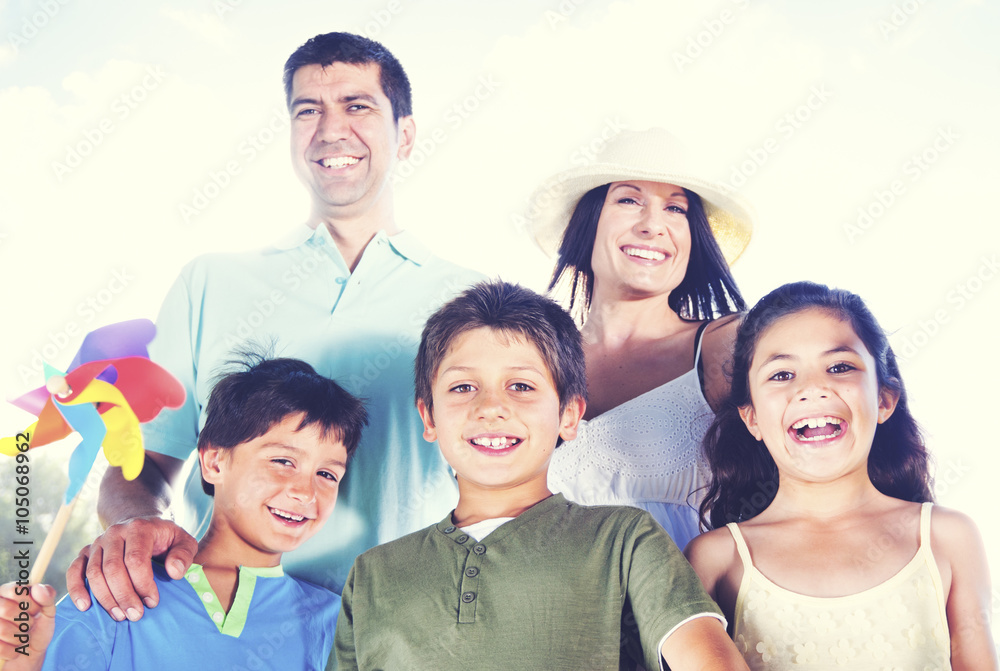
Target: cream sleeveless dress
{"x":900,"y":624}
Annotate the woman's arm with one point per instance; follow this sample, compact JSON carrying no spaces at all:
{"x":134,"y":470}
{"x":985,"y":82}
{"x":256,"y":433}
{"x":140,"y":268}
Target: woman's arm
{"x":716,"y":353}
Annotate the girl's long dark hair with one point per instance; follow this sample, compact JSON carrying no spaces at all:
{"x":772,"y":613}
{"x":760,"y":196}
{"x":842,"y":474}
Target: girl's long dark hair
{"x":708,"y":290}
{"x":744,"y":477}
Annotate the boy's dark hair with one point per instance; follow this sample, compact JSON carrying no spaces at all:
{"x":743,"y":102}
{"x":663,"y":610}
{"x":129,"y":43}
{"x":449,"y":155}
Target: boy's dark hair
{"x":744,"y":476}
{"x":707,"y":291}
{"x":245,"y":404}
{"x":514,"y":311}
{"x":332,"y":48}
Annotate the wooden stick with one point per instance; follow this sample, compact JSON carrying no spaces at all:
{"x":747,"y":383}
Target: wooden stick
{"x":51,"y":541}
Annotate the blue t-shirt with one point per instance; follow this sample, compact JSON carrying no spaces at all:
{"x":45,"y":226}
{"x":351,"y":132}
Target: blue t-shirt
{"x":275,"y":622}
{"x":361,"y":328}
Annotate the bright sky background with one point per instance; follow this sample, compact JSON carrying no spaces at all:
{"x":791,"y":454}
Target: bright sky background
{"x":117,"y":114}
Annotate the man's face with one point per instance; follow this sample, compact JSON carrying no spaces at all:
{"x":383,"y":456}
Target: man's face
{"x":345,"y":141}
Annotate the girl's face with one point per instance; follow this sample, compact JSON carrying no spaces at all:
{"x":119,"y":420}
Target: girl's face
{"x":643,"y":241}
{"x":815,"y":397}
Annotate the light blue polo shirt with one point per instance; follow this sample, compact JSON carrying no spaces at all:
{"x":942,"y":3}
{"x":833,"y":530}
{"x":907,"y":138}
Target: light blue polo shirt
{"x":275,"y":622}
{"x":362,"y":329}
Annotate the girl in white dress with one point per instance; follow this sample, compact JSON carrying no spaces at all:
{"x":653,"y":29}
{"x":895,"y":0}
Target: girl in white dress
{"x":644,"y":241}
{"x":826,"y":552}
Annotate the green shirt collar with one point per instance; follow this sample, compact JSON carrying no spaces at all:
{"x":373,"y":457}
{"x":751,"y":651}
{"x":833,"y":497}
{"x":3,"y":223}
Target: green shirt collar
{"x":231,"y":623}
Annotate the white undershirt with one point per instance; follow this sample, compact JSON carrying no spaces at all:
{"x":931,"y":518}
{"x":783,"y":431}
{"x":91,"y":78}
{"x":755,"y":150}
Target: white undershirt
{"x":481,"y":530}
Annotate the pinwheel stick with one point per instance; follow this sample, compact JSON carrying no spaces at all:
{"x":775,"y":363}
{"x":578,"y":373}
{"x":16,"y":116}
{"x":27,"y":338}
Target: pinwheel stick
{"x":51,"y":541}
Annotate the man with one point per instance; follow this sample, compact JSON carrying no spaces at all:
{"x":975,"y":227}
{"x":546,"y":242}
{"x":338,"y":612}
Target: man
{"x":348,"y":293}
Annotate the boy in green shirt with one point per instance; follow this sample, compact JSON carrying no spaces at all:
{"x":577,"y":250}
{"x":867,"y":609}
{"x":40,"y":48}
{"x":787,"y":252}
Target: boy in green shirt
{"x":515,"y":577}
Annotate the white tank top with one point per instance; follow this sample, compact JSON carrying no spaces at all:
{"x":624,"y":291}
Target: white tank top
{"x":899,"y":624}
{"x":644,"y":453}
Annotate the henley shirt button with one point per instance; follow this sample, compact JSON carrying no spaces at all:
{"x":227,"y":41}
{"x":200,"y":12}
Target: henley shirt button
{"x":472,"y":571}
{"x":462,"y":538}
{"x":449,"y":530}
{"x":468,"y":597}
{"x":479,"y":549}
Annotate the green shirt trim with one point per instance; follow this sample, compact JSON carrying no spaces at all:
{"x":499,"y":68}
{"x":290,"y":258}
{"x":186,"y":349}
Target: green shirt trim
{"x":232,"y":623}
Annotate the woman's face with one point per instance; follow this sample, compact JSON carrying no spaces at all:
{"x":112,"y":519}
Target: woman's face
{"x":643,"y":241}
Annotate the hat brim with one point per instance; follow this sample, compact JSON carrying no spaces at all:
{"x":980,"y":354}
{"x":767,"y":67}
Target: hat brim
{"x":552,"y":205}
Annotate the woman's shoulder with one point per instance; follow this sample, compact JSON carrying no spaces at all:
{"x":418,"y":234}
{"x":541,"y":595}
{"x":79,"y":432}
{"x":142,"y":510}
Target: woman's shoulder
{"x":720,"y":334}
{"x":717,"y":342}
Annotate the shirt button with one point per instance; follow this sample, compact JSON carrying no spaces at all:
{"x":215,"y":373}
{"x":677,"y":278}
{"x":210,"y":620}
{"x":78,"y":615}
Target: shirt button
{"x":479,"y":549}
{"x":207,"y":597}
{"x":217,"y":617}
{"x":341,"y":280}
{"x":468,"y":597}
{"x":449,"y":530}
{"x":462,"y":538}
{"x":472,"y":571}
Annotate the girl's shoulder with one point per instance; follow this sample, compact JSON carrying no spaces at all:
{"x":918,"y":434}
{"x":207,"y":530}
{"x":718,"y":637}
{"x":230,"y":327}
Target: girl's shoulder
{"x":712,"y":554}
{"x":953,"y":534}
{"x":716,"y":560}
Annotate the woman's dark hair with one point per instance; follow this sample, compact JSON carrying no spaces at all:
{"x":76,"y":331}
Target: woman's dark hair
{"x":707,"y":291}
{"x":744,"y":476}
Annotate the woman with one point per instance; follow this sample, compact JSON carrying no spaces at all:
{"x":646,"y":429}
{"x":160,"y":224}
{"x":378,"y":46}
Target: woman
{"x":644,"y":256}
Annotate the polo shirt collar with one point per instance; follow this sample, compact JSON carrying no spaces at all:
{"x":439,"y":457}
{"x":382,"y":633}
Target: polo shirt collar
{"x":403,"y":243}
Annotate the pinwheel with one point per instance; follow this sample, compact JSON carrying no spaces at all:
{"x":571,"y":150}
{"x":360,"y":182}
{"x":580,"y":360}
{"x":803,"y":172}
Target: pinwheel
{"x":111,"y":387}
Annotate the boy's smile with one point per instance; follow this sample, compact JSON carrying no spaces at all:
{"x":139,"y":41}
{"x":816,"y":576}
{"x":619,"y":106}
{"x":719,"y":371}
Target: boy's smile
{"x":274,"y":492}
{"x":496,"y":412}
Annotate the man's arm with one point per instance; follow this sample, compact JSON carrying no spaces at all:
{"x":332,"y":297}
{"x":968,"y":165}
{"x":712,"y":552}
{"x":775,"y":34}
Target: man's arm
{"x":117,"y":564}
{"x":702,"y":644}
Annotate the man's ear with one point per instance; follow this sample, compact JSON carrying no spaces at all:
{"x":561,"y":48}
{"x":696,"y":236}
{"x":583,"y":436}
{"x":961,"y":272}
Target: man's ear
{"x":749,"y":417}
{"x":569,"y":420}
{"x":887,"y":401}
{"x":406,"y":132}
{"x":212,"y":460}
{"x":430,"y":434}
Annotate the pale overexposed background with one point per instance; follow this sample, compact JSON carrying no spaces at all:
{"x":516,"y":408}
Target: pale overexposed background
{"x":137,"y":135}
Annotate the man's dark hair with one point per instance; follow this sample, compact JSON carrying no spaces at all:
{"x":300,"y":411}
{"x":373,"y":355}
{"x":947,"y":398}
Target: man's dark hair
{"x":247,"y":403}
{"x":514,"y":311}
{"x":333,"y":48}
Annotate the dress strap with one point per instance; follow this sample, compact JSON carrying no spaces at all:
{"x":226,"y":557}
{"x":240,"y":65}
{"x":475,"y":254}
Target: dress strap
{"x":741,"y":547}
{"x":925,"y":523}
{"x":697,"y":343}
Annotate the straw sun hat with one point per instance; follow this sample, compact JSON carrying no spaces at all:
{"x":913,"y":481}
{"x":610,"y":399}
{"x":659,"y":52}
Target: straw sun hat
{"x":651,"y":155}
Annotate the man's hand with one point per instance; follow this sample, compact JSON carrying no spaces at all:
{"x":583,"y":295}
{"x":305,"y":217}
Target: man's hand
{"x":117,"y":565}
{"x":27,"y":620}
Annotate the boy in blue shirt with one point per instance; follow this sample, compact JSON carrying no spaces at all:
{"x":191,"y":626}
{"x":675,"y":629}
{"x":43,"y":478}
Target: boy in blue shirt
{"x":515,"y":577}
{"x":274,"y":448}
